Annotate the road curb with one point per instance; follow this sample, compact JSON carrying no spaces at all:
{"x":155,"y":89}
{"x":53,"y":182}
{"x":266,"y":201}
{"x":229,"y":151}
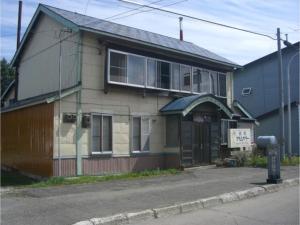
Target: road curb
{"x":126,"y":218}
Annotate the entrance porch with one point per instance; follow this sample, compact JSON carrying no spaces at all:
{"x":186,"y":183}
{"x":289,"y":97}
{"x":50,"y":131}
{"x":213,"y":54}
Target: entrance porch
{"x":198,"y":120}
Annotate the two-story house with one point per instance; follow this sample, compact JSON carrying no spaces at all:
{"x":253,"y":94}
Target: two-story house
{"x":96,"y":97}
{"x":256,"y":86}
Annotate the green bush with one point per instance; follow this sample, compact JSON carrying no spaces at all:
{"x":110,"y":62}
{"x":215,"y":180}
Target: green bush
{"x":293,"y":161}
{"x":256,"y":161}
{"x":262,"y":161}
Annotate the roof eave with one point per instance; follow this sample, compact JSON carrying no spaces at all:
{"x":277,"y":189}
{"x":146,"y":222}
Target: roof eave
{"x":50,"y":13}
{"x":232,"y":65}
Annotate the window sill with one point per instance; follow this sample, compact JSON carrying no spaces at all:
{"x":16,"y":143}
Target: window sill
{"x":139,"y":153}
{"x":101,"y":154}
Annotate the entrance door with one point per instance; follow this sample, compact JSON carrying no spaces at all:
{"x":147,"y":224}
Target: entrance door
{"x":204,"y":143}
{"x":195,"y":143}
{"x":187,"y":143}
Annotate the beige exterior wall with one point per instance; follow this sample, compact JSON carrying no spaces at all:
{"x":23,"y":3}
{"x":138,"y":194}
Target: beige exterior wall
{"x":122,"y":104}
{"x":39,"y":63}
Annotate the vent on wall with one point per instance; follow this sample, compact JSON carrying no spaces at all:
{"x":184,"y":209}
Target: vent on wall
{"x":86,"y":121}
{"x":247,"y":91}
{"x":69,"y":118}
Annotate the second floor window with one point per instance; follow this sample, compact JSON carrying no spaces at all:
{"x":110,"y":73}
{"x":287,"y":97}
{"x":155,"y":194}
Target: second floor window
{"x":163,"y":75}
{"x":185,"y":73}
{"x":136,"y":69}
{"x":118,"y":70}
{"x":141,"y":71}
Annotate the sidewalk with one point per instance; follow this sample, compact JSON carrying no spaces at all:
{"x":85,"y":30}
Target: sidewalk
{"x":70,"y":204}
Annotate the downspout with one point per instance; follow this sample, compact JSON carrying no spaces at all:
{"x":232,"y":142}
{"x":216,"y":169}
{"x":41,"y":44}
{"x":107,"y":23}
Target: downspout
{"x":79,"y":109}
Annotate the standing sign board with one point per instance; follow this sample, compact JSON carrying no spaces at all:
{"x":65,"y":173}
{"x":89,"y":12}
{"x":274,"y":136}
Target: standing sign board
{"x":238,"y":138}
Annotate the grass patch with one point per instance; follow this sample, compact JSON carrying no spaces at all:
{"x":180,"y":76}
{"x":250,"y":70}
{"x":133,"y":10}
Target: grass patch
{"x":55,"y":181}
{"x":261,"y":161}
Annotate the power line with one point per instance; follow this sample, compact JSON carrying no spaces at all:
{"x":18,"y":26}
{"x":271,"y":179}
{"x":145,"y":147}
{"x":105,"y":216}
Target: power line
{"x":122,"y":13}
{"x":200,"y":19}
{"x":45,"y":49}
{"x":149,"y":10}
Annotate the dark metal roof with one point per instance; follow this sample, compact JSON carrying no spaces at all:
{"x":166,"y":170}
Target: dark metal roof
{"x":185,"y":104}
{"x":134,"y":34}
{"x":28,"y":101}
{"x":44,"y":98}
{"x":179,"y":104}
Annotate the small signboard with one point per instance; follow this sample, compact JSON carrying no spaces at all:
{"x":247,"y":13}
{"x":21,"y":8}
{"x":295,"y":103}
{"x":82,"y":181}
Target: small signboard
{"x":239,"y":138}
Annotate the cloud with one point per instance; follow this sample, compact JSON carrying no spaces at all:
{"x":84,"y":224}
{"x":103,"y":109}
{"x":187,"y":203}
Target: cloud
{"x":257,"y":15}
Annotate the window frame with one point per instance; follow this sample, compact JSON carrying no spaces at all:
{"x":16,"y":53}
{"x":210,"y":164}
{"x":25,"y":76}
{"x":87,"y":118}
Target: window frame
{"x":249,"y":91}
{"x":228,"y":121}
{"x":219,"y":94}
{"x":145,"y":85}
{"x":141,"y":134}
{"x":101,"y":152}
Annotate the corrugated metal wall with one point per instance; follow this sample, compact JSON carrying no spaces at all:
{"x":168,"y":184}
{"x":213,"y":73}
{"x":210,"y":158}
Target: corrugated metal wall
{"x":98,"y":165}
{"x":27,"y":139}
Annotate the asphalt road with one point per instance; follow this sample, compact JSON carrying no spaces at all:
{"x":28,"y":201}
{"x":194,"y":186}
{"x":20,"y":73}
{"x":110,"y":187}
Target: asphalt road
{"x":70,"y":204}
{"x":279,"y":208}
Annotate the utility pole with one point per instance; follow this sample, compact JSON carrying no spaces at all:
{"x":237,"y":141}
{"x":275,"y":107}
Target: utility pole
{"x":59,"y":105}
{"x":289,"y":105}
{"x":281,"y":97}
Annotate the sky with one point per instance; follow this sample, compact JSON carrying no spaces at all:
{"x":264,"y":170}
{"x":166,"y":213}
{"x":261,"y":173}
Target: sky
{"x":263,"y":16}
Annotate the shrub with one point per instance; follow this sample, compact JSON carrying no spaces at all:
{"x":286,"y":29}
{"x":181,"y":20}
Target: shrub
{"x":293,"y":161}
{"x":241,"y":157}
{"x":256,"y":161}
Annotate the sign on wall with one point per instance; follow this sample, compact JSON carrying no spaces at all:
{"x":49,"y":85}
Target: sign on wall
{"x":239,"y":138}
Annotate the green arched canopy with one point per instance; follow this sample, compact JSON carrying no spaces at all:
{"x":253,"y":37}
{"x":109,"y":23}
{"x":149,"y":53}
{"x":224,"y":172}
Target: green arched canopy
{"x":186,"y":104}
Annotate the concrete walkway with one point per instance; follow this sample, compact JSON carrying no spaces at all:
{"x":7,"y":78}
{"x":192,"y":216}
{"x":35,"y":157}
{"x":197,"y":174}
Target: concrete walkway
{"x":69,"y":204}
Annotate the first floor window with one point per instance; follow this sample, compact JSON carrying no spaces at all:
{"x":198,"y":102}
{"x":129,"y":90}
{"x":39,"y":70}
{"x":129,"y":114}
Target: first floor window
{"x":225,"y":126}
{"x":101,"y":133}
{"x":140,"y":134}
{"x":172,"y":131}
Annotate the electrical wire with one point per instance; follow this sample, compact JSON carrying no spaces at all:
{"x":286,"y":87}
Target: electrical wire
{"x":119,"y":14}
{"x":45,"y":49}
{"x":202,"y":20}
{"x":143,"y":11}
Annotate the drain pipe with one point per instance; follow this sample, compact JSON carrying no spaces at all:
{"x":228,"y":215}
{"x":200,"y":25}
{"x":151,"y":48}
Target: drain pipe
{"x":79,"y":109}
